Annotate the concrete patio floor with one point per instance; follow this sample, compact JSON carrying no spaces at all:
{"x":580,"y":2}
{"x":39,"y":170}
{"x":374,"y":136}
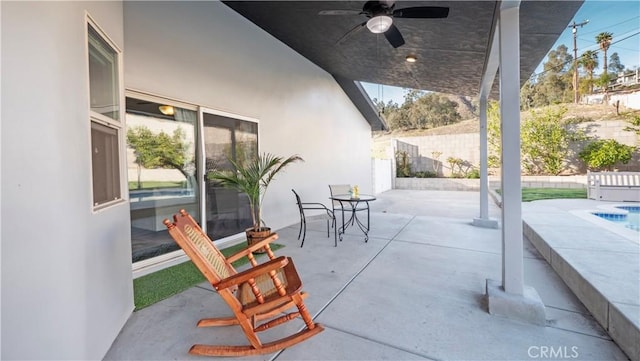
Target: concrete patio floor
{"x":414,"y":291}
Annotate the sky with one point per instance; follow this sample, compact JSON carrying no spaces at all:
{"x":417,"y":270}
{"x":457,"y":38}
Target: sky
{"x":621,"y":18}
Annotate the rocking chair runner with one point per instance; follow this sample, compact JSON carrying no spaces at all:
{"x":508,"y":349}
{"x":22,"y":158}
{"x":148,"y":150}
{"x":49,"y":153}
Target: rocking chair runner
{"x":259,"y":293}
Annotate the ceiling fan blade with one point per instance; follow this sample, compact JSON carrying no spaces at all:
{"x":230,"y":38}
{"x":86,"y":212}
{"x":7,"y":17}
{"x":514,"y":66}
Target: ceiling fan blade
{"x":393,"y":35}
{"x":351,"y":32}
{"x":422,"y":12}
{"x":339,"y":12}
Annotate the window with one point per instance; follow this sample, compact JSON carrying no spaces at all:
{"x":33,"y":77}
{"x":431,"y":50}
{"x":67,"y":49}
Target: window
{"x":103,"y":77}
{"x":106,"y":176}
{"x":104,"y":95}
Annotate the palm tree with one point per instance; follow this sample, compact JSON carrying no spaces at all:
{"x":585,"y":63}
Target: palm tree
{"x":604,"y":40}
{"x":253,"y":178}
{"x":589,"y":60}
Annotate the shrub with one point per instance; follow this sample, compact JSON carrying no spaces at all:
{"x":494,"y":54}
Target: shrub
{"x":545,"y":141}
{"x":604,"y":154}
{"x":460,"y":168}
{"x":425,"y":174}
{"x":634,"y":121}
{"x":474,"y":173}
{"x":403,"y":165}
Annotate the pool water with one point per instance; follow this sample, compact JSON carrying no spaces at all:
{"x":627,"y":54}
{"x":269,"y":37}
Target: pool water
{"x":629,"y":219}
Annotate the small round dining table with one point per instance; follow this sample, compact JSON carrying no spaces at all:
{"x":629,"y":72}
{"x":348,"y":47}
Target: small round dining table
{"x":350,"y":203}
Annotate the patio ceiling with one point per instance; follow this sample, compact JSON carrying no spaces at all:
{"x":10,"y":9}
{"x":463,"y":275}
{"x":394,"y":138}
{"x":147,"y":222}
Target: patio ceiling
{"x":451,"y":52}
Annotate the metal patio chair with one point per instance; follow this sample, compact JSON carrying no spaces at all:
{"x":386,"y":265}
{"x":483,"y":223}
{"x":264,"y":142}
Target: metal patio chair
{"x":302,"y":206}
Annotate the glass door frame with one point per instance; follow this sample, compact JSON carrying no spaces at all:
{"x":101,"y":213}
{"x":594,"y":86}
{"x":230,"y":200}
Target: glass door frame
{"x":202,"y":165}
{"x":160,"y":262}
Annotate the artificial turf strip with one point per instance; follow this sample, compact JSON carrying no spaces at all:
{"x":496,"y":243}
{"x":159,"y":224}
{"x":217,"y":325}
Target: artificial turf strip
{"x":534,"y":194}
{"x":165,"y":283}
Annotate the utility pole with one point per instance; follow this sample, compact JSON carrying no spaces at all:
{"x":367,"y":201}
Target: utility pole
{"x":574,"y":30}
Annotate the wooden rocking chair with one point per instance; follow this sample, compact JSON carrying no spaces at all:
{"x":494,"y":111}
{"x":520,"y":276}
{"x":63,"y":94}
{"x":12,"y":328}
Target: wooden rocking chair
{"x":259,"y":293}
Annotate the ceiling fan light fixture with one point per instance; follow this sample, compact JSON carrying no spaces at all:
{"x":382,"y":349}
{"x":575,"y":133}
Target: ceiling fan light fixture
{"x":411,"y":58}
{"x":379,"y":24}
{"x":167,"y":110}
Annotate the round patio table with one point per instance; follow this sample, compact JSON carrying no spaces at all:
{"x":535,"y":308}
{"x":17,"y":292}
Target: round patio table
{"x":348,"y":202}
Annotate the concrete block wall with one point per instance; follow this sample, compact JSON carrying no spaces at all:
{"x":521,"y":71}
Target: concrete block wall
{"x":461,"y":184}
{"x":466,"y":146}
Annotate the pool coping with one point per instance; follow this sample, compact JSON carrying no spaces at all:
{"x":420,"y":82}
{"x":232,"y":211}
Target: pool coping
{"x":617,"y":309}
{"x":587,"y":214}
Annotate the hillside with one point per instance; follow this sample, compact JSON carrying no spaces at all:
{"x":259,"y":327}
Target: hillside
{"x":578,"y":111}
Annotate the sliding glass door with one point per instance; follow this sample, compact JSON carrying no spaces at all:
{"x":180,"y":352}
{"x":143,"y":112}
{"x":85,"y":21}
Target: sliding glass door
{"x":161,"y":159}
{"x":169,"y":153}
{"x":226,"y":137}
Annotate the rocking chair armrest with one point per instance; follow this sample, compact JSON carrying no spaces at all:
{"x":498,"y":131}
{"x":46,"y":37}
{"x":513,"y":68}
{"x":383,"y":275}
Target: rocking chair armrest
{"x":250,"y":273}
{"x":254,"y":247}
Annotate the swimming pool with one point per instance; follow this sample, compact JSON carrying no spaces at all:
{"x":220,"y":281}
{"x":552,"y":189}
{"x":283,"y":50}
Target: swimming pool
{"x":627,"y":216}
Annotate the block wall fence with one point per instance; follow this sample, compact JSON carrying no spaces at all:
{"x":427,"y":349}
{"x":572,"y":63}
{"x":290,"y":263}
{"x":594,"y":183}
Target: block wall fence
{"x":423,"y":150}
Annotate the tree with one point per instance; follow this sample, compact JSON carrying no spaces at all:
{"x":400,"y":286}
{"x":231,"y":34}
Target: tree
{"x":389,"y":111}
{"x":433,"y":110}
{"x":420,"y":110}
{"x":554,"y":85}
{"x":589,"y":60}
{"x":493,"y":134}
{"x":614,"y":63}
{"x":545,"y":139}
{"x":604,"y":40}
{"x":603,"y":82}
{"x":160,"y":150}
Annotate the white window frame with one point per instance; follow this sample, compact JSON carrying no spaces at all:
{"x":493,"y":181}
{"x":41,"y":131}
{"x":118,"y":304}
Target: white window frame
{"x":95,"y":117}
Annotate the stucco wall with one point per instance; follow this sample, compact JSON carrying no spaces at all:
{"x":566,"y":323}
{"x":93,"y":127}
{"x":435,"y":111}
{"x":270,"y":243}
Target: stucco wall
{"x":629,"y":100}
{"x":66,"y":271}
{"x":206,"y":54}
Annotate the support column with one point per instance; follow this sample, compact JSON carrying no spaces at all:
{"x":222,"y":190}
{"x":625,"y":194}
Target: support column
{"x":511,"y":298}
{"x":512,"y":252}
{"x":484,"y":220}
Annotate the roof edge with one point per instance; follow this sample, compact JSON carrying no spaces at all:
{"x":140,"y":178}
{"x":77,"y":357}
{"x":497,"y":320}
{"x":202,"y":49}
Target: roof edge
{"x":359,"y":97}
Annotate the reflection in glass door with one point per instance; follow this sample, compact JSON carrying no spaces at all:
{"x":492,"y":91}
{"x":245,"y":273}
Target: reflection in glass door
{"x":161,"y":162}
{"x":227,"y":211}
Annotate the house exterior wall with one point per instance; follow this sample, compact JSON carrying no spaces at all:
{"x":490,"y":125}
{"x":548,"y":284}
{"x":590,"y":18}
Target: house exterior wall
{"x":66,"y":270}
{"x":206,"y":54}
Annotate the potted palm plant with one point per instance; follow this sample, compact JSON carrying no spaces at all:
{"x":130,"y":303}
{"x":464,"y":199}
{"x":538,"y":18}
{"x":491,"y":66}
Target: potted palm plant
{"x":253,"y":178}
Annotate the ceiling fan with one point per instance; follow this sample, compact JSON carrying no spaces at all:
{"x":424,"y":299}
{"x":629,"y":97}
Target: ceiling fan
{"x":381,"y":14}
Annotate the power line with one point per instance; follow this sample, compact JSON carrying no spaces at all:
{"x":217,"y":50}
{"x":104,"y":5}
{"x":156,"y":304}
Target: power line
{"x":560,"y":66}
{"x":611,"y":26}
